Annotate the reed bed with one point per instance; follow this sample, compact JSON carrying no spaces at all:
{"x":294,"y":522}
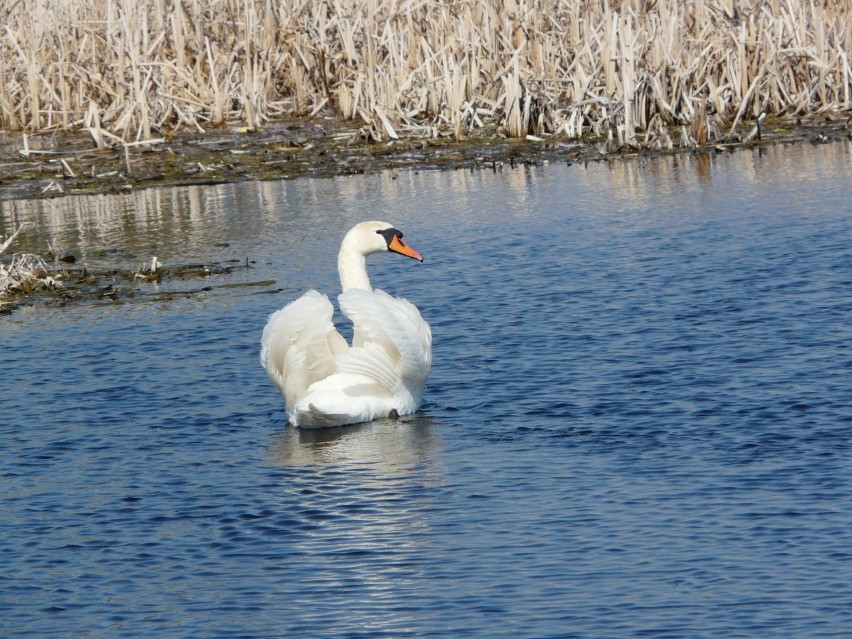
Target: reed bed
{"x":634,"y":72}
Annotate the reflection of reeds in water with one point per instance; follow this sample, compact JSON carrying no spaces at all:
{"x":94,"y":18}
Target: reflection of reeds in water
{"x":201,"y":217}
{"x":633,"y":182}
{"x":133,"y":67}
{"x":134,"y":221}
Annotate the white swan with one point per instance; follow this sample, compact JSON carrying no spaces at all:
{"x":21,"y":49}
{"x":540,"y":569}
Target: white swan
{"x":326,"y":382}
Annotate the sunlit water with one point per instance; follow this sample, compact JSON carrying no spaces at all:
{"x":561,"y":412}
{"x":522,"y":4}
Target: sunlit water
{"x":638,"y":422}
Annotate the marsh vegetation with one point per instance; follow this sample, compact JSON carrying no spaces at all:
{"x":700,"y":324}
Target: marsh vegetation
{"x":638,"y":73}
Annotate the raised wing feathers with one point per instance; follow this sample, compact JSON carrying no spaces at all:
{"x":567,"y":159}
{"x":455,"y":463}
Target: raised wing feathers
{"x":325,"y":381}
{"x":373,"y":361}
{"x":300,"y":344}
{"x":396,"y":326}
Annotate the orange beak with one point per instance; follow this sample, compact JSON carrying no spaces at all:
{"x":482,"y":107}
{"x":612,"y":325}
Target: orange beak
{"x":398,"y":246}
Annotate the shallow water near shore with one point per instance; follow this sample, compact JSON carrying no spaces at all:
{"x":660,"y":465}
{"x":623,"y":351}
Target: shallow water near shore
{"x":638,"y":421}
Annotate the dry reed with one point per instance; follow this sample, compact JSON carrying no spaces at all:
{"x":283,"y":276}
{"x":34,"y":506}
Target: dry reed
{"x":25,"y":272}
{"x":636,"y":72}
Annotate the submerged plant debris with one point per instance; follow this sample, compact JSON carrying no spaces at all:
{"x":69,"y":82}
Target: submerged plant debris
{"x":71,"y":285}
{"x":27,"y":279}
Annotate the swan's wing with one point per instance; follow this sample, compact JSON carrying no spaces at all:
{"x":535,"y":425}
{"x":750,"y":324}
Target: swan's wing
{"x":392,"y":343}
{"x":300,"y":344}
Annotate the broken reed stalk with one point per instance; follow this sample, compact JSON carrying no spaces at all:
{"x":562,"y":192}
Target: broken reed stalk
{"x":25,"y":272}
{"x":629,"y":69}
{"x":8,"y":242}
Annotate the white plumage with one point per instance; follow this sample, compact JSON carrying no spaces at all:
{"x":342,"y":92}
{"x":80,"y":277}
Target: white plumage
{"x":324,"y":380}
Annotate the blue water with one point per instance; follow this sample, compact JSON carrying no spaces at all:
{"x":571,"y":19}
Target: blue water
{"x":638,"y":422}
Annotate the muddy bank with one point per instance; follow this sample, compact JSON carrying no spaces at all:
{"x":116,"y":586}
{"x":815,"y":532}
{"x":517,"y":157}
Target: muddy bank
{"x":45,"y":165}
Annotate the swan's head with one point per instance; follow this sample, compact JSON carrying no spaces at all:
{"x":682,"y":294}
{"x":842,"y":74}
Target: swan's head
{"x":375,"y":237}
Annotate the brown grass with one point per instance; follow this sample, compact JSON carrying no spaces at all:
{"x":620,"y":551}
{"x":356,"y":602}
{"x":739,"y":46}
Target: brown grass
{"x":639,"y":72}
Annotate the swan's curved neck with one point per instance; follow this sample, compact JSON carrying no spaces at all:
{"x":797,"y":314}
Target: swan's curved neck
{"x":352,"y":267}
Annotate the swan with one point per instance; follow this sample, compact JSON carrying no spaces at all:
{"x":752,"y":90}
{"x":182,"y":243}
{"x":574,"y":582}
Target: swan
{"x":324,"y":380}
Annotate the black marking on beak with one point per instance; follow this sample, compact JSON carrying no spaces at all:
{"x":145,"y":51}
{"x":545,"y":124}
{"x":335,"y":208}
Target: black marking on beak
{"x":389,"y":234}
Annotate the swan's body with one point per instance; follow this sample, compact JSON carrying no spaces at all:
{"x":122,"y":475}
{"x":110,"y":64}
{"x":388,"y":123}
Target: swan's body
{"x":324,"y":380}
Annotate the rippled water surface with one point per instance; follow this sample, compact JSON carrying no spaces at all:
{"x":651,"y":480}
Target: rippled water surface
{"x":637,"y":424}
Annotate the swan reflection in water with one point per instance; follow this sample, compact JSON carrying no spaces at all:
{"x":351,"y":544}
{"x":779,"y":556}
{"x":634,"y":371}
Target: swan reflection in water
{"x":358,"y":505}
{"x":388,"y":447}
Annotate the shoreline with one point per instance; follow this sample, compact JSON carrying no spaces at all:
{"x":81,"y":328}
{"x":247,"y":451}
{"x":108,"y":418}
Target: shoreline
{"x":49,"y":165}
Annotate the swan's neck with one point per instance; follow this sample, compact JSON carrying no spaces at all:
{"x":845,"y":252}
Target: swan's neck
{"x":352,"y":266}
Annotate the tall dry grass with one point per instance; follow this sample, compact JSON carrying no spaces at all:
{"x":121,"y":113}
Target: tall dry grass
{"x":635,"y":70}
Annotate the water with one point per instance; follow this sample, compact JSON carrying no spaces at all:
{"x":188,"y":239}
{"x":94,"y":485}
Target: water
{"x":637,"y":424}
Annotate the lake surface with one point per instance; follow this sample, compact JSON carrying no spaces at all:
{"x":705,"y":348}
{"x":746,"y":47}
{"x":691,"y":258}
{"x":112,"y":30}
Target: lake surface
{"x":638,"y":422}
